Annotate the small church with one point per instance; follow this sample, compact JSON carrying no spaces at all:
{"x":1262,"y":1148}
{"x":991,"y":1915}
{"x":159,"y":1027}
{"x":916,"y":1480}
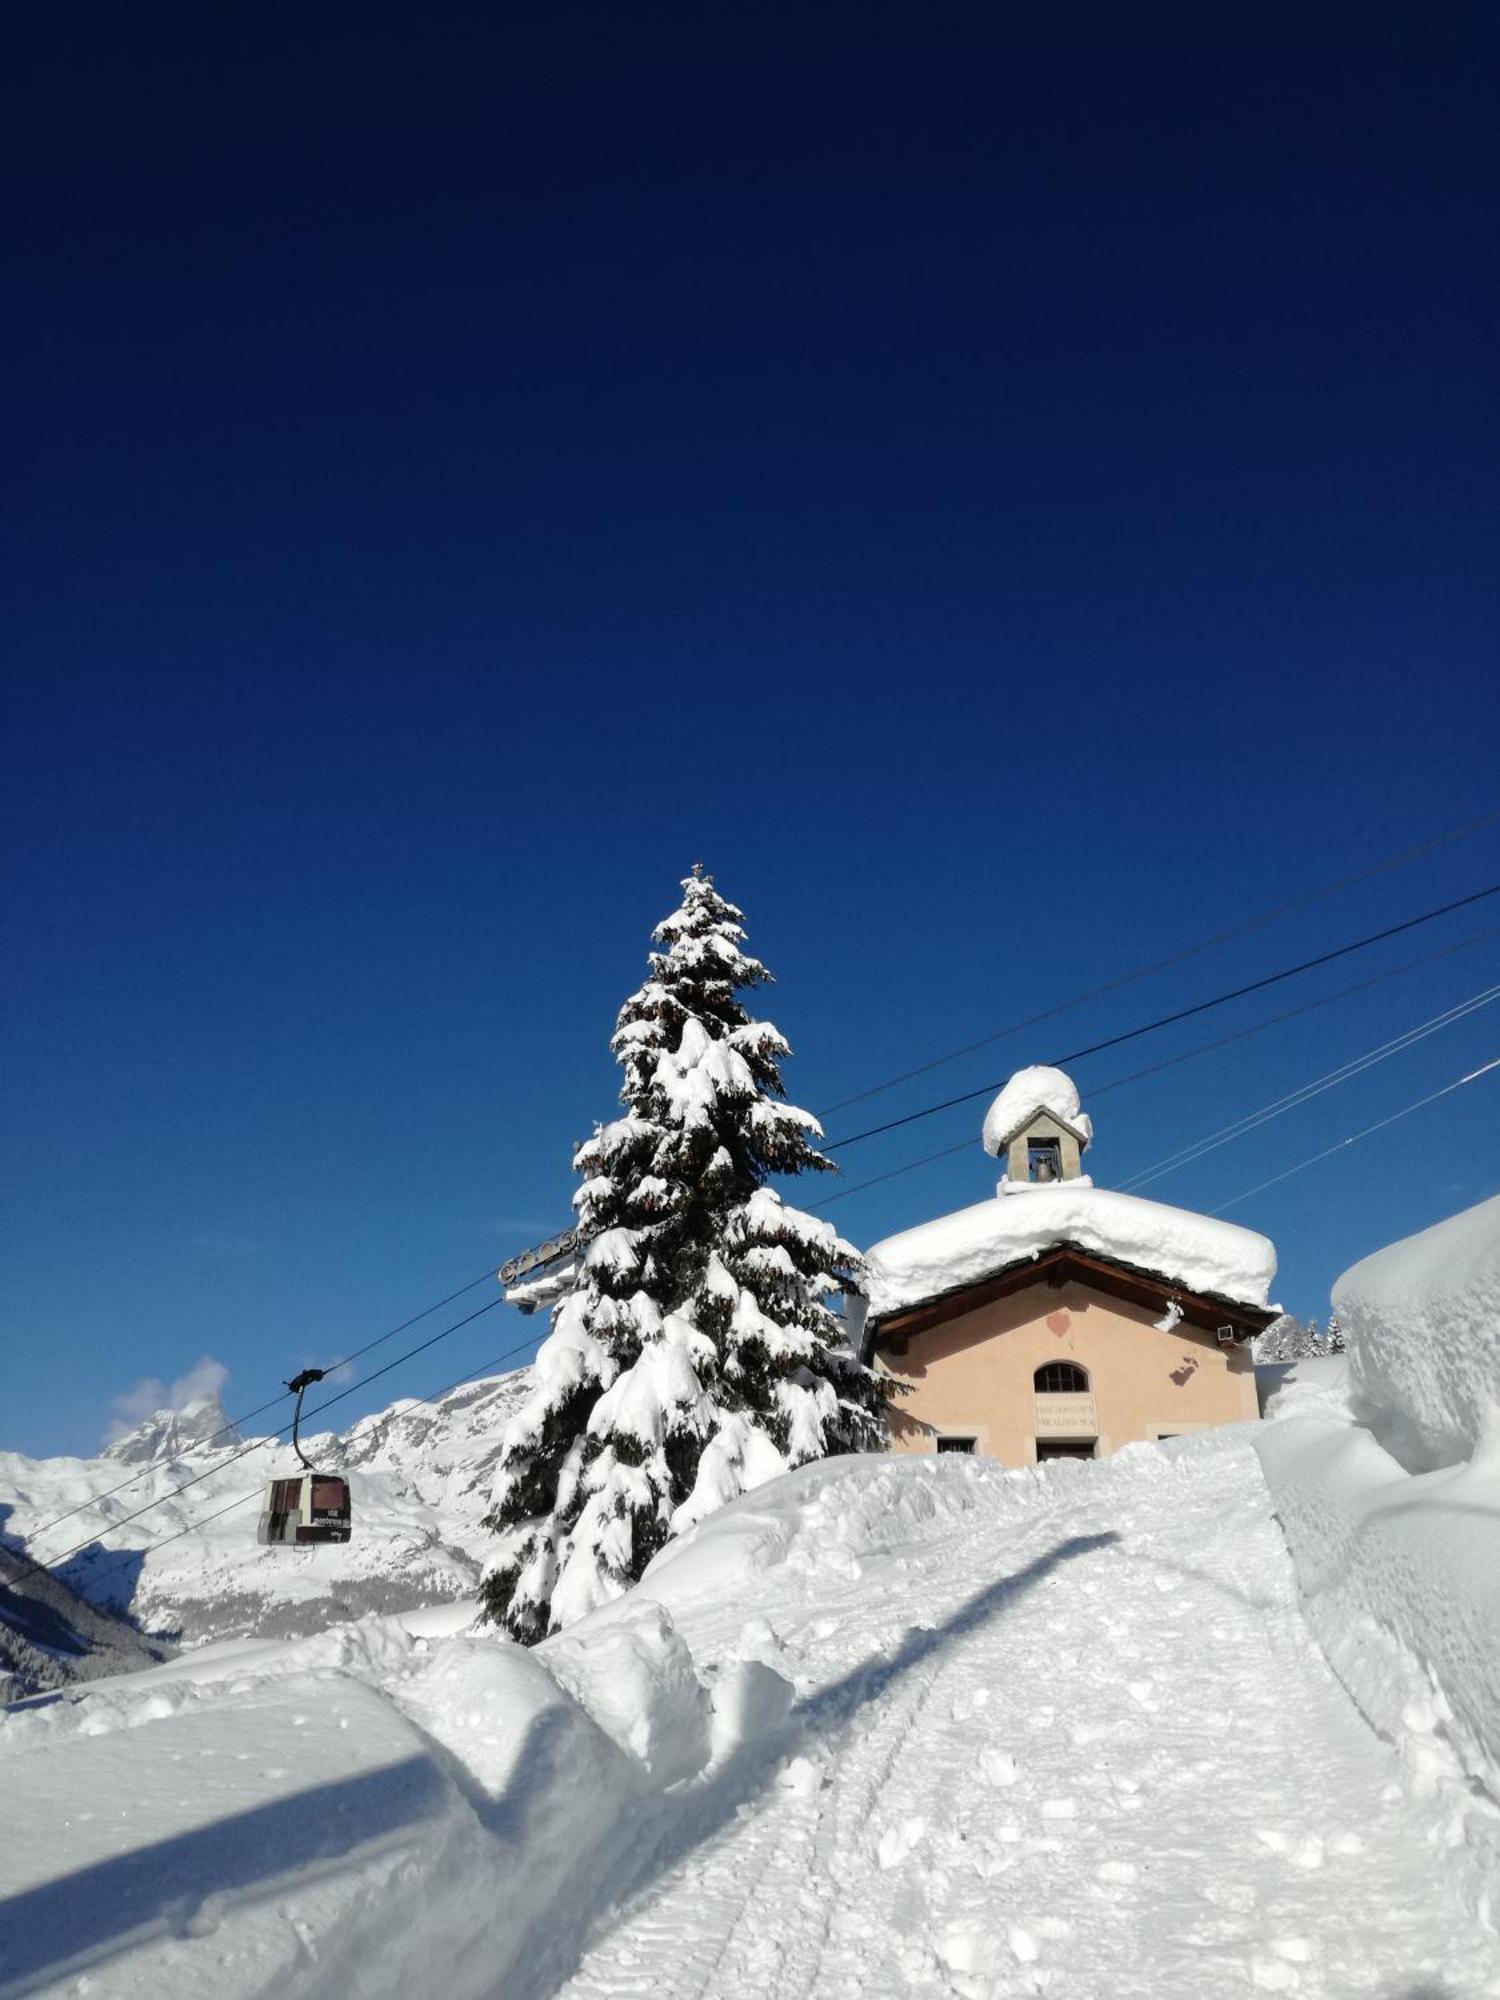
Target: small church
{"x":1057,"y":1319}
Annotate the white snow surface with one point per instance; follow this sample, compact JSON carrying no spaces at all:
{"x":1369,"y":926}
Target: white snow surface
{"x":1195,"y":1251}
{"x":1384,"y":1465}
{"x":1038,"y":1088}
{"x":887,"y":1726}
{"x":1422,"y":1322}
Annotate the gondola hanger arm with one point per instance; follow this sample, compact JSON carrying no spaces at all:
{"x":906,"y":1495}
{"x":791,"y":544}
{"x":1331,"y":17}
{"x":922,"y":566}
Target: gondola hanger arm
{"x":299,"y":1386}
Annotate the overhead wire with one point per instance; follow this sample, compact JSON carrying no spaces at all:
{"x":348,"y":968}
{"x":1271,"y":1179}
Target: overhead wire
{"x":1185,"y":1055}
{"x":1305,"y":1093}
{"x":196,"y":1527}
{"x":1354,"y":1137}
{"x":1181,"y":1014}
{"x":1173,"y":958}
{"x":1112,"y":1041}
{"x":236,"y":1424}
{"x":260,"y":1444}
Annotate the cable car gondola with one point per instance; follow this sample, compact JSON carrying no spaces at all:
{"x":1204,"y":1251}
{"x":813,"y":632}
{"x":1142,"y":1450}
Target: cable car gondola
{"x":309,"y":1507}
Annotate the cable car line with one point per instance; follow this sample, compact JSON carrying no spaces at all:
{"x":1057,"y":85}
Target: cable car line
{"x":1182,"y":1014}
{"x":1186,"y":1055}
{"x":1173,"y":958}
{"x":1113,"y":1041}
{"x":196,"y":1527}
{"x":236,"y":1424}
{"x":256,"y":1444}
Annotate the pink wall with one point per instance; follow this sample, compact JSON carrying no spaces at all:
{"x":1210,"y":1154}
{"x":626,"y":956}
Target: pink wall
{"x":972,"y":1376}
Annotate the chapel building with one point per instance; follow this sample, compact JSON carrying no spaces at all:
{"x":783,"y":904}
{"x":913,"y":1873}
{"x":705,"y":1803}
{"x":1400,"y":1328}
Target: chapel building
{"x":1061,"y":1320}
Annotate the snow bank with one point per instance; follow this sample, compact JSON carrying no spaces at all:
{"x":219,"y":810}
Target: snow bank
{"x":1385,"y":1474}
{"x":1422,"y":1323}
{"x":976,"y":1243}
{"x":1029,"y":1091}
{"x":1400,"y":1582}
{"x":321,"y":1817}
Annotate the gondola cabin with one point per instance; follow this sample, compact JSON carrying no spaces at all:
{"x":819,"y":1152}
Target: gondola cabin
{"x":304,"y":1511}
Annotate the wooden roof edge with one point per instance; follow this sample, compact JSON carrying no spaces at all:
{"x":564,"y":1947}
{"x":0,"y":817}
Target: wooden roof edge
{"x":1248,"y":1319}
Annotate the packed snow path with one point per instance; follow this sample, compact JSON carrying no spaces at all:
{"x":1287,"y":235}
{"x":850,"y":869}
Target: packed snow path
{"x":1088,"y":1750}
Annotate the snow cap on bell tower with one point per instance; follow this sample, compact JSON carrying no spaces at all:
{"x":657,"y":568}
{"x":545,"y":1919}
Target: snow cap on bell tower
{"x":1038,"y":1128}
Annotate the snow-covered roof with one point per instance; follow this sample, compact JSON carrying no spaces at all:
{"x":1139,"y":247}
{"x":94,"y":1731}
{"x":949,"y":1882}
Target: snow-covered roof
{"x":974,"y":1244}
{"x":1029,"y":1091}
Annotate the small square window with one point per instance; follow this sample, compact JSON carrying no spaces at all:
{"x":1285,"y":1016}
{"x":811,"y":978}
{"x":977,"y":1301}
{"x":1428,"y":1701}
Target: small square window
{"x":956,"y":1444}
{"x":1043,"y":1160}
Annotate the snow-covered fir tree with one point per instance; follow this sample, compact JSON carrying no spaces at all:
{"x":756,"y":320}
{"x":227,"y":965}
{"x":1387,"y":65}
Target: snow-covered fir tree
{"x":696,"y":1357}
{"x":1289,"y":1339}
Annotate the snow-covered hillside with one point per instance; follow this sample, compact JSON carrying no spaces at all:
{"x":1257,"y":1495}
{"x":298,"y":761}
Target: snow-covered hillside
{"x":885,"y":1727}
{"x":420,"y":1473}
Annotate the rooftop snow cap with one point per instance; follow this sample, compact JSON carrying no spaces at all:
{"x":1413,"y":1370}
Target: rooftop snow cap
{"x":1028,"y":1092}
{"x":1213,"y":1258}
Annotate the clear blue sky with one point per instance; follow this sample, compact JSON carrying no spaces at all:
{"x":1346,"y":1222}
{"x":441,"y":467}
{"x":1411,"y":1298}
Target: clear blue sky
{"x":1013,"y":493}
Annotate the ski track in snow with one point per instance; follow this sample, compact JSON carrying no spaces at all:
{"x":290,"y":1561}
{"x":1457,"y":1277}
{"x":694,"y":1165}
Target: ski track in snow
{"x":1100,"y":1756}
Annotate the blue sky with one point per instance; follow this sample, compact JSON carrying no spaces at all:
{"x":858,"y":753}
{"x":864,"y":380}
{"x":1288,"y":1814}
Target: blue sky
{"x":1014,"y":498}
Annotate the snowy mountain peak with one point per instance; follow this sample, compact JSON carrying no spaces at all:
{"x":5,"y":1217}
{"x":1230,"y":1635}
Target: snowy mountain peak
{"x":168,"y":1434}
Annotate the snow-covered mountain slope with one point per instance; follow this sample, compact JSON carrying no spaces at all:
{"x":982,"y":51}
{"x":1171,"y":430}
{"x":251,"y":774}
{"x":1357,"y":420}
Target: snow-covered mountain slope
{"x":420,"y":1475}
{"x":887,"y":1726}
{"x":50,"y":1637}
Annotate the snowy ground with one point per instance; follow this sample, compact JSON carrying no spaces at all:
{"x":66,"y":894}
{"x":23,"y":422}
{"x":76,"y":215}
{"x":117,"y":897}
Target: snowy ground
{"x":1057,"y":1732}
{"x":1084,"y":1747}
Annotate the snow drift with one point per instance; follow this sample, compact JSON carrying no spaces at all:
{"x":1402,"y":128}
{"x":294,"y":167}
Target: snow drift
{"x":1399,"y":1568}
{"x":1422,"y":1320}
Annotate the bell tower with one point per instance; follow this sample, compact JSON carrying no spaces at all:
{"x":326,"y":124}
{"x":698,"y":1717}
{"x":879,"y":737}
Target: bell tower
{"x":1038,"y":1130}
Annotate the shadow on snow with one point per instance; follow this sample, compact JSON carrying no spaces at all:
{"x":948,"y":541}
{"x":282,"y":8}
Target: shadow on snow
{"x":164,"y":1889}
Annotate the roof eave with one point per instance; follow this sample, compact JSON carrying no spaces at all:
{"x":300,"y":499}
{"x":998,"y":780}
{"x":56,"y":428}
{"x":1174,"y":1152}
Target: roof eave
{"x":1202,"y":1309}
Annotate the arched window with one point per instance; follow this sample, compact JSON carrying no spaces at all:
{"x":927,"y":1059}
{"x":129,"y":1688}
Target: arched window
{"x":1060,"y":1378}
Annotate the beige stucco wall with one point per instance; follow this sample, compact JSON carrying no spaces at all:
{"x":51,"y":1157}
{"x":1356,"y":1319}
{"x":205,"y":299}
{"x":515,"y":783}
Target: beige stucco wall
{"x":972,"y":1376}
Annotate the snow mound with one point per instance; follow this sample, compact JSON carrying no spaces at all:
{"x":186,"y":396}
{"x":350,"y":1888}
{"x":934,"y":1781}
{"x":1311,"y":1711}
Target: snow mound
{"x":1196,"y":1251}
{"x":1401,"y":1587}
{"x":1386,"y":1480}
{"x":1422,"y":1322}
{"x":635,"y":1677}
{"x":1029,"y":1091}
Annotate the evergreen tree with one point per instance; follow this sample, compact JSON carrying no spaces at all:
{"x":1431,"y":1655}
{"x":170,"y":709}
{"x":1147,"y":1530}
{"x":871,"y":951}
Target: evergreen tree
{"x":696,"y":1357}
{"x":1333,"y":1338}
{"x":1289,"y":1339}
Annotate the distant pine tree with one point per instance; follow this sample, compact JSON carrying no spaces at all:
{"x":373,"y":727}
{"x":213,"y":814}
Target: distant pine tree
{"x":1289,"y":1339}
{"x":1333,"y":1338}
{"x":696,"y":1357}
